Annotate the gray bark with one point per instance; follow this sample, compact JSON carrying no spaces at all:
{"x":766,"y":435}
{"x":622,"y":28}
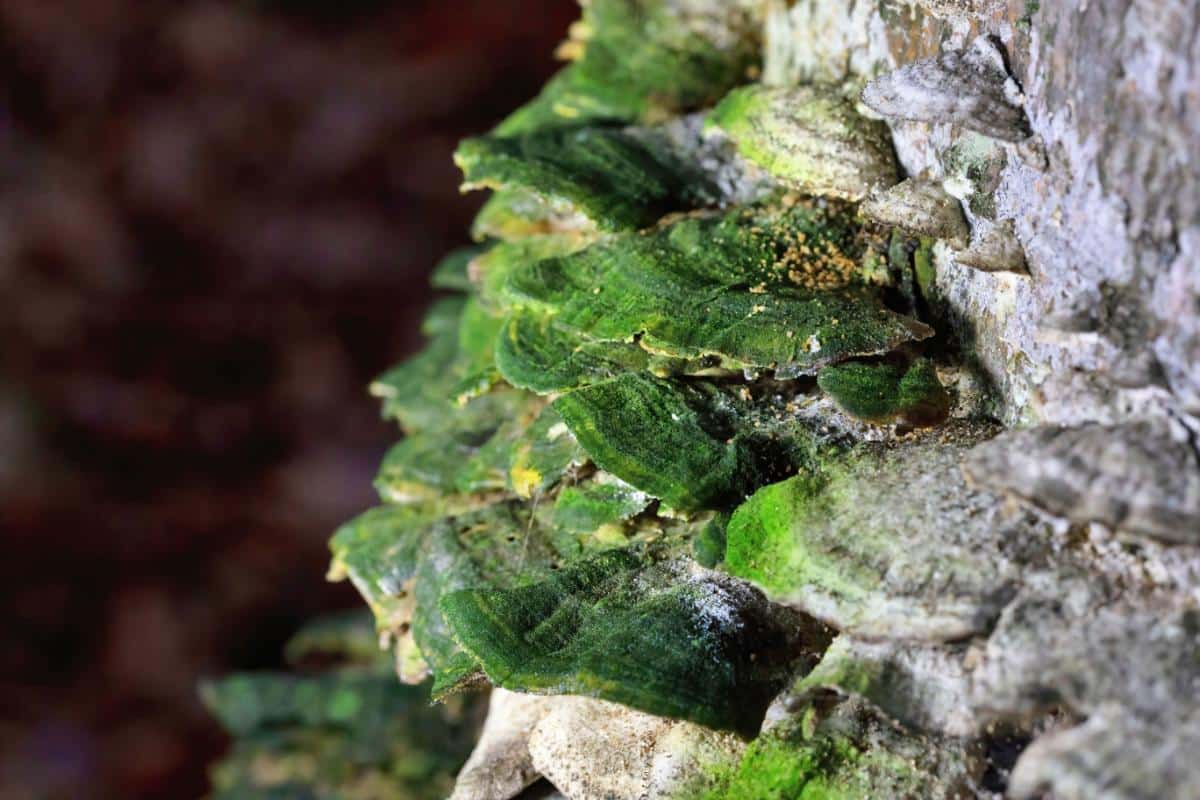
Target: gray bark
{"x":1075,"y":307}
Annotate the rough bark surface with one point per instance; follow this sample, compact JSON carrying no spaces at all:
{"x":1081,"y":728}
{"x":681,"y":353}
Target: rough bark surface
{"x":1103,"y":198}
{"x":1097,"y":349}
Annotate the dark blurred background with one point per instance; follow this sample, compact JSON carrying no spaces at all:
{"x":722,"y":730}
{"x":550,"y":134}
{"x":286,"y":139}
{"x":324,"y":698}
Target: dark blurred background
{"x":216,"y":224}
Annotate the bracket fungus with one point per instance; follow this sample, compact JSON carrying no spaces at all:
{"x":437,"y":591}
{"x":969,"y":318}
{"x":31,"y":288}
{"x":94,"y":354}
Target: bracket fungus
{"x":809,"y":138}
{"x":970,"y":87}
{"x":922,"y":208}
{"x":884,"y":391}
{"x":643,"y":60}
{"x":887,"y":542}
{"x":679,"y":480}
{"x":606,"y":175}
{"x":350,"y":730}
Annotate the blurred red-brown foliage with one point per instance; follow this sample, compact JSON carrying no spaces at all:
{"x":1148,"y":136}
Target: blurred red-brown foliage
{"x":216,"y":222}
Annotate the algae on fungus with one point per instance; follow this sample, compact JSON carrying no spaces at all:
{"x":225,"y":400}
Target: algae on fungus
{"x":657,"y":635}
{"x":644,"y":59}
{"x":843,"y":749}
{"x":811,"y":138}
{"x":679,"y":478}
{"x":604,"y":174}
{"x":612,"y":481}
{"x":757,"y":288}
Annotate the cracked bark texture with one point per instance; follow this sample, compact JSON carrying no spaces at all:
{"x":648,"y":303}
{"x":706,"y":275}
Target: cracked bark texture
{"x":1103,"y":198}
{"x":1096,"y":351}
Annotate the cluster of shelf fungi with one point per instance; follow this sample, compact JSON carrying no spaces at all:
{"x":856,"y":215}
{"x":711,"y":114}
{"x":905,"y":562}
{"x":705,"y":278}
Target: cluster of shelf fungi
{"x":701,"y":473}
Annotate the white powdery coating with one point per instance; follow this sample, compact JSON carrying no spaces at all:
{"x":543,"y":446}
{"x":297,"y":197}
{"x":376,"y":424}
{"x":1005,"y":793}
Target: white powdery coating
{"x":718,"y":601}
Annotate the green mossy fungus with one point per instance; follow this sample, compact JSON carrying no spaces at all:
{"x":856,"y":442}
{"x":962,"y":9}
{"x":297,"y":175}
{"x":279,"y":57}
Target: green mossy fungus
{"x":333,"y":736}
{"x":609,"y":176}
{"x":404,"y":564}
{"x":757,"y":288}
{"x":760,"y":544}
{"x":810,"y":138}
{"x":417,"y":392}
{"x":642,"y":60}
{"x":668,"y":439}
{"x":590,"y":507}
{"x":621,"y":416}
{"x":534,"y":352}
{"x":652,"y":635}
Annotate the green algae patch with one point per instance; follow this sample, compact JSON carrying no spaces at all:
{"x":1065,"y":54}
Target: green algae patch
{"x":513,"y":214}
{"x":248,"y":702}
{"x":670,"y":439}
{"x":598,"y":503}
{"x":436,"y":461}
{"x":377,"y":551}
{"x":500,"y":546}
{"x":755,"y":288}
{"x":787,"y":766}
{"x":691,"y":444}
{"x":457,"y":364}
{"x":810,"y":138}
{"x":887,"y":391}
{"x":708,"y":548}
{"x":542,"y":456}
{"x":848,"y":752}
{"x":609,"y":176}
{"x":762,"y":546}
{"x":502,"y":441}
{"x":404,"y":559}
{"x":491,"y":547}
{"x":886,"y":540}
{"x":349,"y":637}
{"x":426,"y":466}
{"x":720,"y":652}
{"x":644,"y":59}
{"x":476,"y":363}
{"x":528,"y":454}
{"x":839,"y":669}
{"x":924,"y":271}
{"x":535,"y":353}
{"x":404,"y":563}
{"x":490,"y":270}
